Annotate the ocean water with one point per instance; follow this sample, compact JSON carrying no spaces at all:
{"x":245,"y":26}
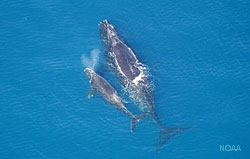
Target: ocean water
{"x":198,"y":53}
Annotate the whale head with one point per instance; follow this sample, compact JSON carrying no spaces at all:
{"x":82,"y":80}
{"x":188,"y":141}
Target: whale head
{"x":89,"y":72}
{"x":108,"y":34}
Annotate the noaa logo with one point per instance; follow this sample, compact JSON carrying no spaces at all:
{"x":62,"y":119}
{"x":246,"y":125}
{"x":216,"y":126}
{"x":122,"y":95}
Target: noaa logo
{"x":229,"y":148}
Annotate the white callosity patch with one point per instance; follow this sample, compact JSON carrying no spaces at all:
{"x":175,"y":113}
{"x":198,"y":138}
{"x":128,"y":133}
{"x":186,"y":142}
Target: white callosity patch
{"x":112,"y":34}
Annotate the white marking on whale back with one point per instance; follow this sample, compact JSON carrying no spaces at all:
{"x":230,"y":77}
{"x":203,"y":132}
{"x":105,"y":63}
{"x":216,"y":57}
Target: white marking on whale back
{"x":139,"y":78}
{"x":116,"y":98}
{"x":116,"y":63}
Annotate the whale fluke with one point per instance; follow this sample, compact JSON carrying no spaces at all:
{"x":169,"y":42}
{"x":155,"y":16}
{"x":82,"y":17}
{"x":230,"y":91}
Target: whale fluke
{"x":135,"y":119}
{"x":166,"y":133}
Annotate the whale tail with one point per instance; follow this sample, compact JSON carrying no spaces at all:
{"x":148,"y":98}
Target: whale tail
{"x":135,"y":119}
{"x":166,"y":133}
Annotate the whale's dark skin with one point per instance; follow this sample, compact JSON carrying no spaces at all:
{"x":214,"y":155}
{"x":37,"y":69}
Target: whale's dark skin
{"x":130,"y":72}
{"x":109,"y":94}
{"x":133,"y":76}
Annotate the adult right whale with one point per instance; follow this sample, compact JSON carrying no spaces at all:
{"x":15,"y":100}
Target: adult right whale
{"x":133,"y":76}
{"x":109,"y":94}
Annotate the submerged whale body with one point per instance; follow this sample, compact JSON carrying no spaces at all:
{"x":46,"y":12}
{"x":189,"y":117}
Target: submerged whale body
{"x":133,"y":76}
{"x":109,"y":94}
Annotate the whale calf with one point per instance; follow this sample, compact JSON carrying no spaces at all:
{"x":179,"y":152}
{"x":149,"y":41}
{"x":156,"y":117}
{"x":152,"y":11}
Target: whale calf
{"x":133,"y":76}
{"x":109,"y":94}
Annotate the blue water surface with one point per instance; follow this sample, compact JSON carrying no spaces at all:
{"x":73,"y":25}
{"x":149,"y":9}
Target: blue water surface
{"x":198,"y":53}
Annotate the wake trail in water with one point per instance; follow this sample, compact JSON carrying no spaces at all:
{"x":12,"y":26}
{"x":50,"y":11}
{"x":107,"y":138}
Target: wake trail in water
{"x":91,"y":61}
